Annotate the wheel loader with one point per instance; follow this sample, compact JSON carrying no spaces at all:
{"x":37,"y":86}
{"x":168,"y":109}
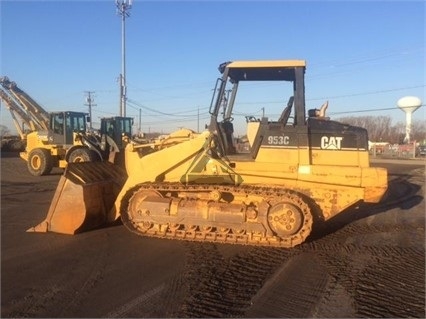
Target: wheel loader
{"x":67,"y":141}
{"x":62,"y":142}
{"x":301,"y":167}
{"x":57,"y":138}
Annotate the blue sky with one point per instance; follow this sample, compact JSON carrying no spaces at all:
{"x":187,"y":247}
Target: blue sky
{"x":361,"y":55}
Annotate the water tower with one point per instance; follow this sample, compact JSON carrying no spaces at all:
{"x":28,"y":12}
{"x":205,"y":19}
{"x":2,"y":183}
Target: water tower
{"x":409,"y":104}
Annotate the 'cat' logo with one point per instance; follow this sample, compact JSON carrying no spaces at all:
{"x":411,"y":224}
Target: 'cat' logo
{"x":331,"y":143}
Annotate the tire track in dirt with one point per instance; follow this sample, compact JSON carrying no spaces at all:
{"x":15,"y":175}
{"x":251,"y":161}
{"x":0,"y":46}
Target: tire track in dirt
{"x":170,"y":299}
{"x":263,"y":282}
{"x":33,"y":302}
{"x":293,"y":291}
{"x":384,"y":281}
{"x":98,"y":264}
{"x":143,"y":301}
{"x":219,"y":287}
{"x":394,"y":286}
{"x":57,"y":296}
{"x":161,"y":301}
{"x":380,"y":260}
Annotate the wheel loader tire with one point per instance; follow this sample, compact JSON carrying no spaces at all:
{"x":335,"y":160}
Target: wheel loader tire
{"x":40,"y":162}
{"x":82,"y":155}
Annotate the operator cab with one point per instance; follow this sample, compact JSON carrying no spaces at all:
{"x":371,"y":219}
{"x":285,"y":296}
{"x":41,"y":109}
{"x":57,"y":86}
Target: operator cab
{"x":293,"y":133}
{"x":233,"y":73}
{"x":63,"y":125}
{"x":118,"y":129}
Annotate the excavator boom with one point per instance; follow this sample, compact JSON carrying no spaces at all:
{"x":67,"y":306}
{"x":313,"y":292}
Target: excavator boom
{"x":23,"y":106}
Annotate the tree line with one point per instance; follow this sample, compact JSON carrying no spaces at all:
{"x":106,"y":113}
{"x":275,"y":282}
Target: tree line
{"x":381,"y":128}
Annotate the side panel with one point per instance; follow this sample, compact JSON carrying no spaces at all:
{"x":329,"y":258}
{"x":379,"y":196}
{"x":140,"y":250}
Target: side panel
{"x":282,"y":144}
{"x":320,"y":142}
{"x":337,"y":144}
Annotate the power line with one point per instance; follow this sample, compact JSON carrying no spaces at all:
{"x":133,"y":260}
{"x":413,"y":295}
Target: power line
{"x":368,"y":58}
{"x":366,"y":93}
{"x":370,"y":110}
{"x":148,"y":108}
{"x":163,"y":113}
{"x":341,"y":96}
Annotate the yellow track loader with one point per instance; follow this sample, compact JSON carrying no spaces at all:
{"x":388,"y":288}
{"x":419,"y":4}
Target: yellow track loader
{"x":299,"y":168}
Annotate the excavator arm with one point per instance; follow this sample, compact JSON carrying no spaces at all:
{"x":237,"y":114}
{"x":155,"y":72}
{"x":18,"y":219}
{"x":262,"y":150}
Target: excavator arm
{"x":18,"y":115}
{"x":22,"y":106}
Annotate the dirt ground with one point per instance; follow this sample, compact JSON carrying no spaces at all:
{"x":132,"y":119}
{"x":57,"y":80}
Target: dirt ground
{"x":366,"y":262}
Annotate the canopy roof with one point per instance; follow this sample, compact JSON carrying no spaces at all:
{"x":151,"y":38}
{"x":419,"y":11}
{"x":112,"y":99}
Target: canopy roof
{"x":272,"y":70}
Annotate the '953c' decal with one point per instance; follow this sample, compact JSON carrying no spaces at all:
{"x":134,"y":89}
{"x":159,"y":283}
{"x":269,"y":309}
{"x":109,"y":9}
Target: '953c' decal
{"x":278,"y":140}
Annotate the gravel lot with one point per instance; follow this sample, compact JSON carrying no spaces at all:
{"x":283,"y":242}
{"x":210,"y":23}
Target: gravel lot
{"x":366,"y":262}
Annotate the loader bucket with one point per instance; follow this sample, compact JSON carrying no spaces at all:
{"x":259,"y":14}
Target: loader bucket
{"x":84,"y":197}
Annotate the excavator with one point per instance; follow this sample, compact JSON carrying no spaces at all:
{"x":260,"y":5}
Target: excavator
{"x":57,"y":138}
{"x":300,"y":168}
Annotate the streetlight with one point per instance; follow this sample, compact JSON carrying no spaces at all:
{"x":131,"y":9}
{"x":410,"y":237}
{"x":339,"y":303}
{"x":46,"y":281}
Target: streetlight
{"x":122,"y":7}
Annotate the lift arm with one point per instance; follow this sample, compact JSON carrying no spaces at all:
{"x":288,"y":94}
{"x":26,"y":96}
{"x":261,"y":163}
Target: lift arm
{"x":22,"y":106}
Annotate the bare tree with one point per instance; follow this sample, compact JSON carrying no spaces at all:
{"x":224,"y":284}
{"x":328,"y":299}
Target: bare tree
{"x":418,"y":130}
{"x":3,"y":130}
{"x":381,"y":129}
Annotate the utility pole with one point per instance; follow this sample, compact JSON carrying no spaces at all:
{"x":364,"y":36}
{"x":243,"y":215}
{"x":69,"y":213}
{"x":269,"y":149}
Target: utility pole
{"x":198,"y":119}
{"x":225,"y":100}
{"x":122,"y":7}
{"x":140,"y":121}
{"x":89,"y":103}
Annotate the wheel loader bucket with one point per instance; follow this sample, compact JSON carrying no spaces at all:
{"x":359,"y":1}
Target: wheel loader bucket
{"x":83,"y":199}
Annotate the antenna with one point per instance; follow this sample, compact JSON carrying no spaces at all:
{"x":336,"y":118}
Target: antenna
{"x":408,"y":104}
{"x":122,"y":9}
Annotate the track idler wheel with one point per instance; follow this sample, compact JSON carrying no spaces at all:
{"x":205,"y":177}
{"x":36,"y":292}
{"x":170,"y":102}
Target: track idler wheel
{"x":290,"y":219}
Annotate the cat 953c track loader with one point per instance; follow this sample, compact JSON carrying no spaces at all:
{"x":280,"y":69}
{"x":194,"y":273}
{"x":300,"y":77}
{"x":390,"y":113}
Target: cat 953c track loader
{"x":299,"y":168}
